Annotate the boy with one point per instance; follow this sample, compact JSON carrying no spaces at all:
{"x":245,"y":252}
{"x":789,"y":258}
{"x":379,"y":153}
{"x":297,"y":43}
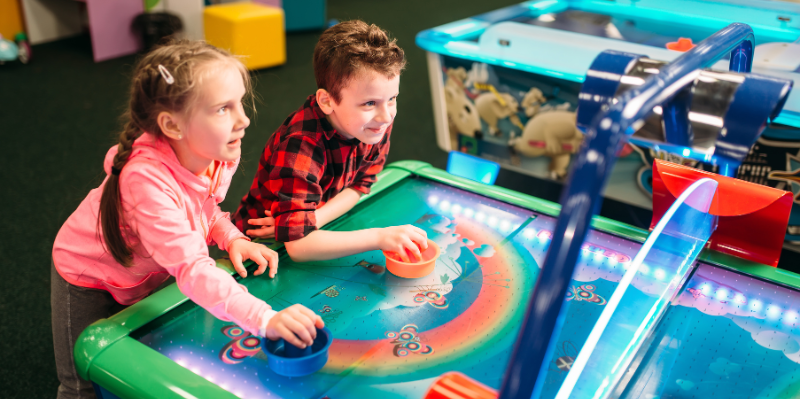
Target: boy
{"x":326,"y":155}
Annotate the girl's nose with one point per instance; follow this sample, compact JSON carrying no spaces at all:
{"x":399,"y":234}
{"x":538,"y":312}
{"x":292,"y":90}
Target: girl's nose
{"x":243,"y":122}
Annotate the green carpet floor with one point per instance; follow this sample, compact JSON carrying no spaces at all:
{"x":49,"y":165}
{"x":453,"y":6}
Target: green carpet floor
{"x":60,"y":114}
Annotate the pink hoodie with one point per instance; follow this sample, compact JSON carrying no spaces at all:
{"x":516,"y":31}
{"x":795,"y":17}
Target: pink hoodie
{"x":170,"y":216}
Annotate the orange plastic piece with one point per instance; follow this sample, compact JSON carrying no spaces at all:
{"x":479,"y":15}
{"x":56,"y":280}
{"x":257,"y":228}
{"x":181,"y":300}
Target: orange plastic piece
{"x":416,"y":268}
{"x":752,"y":217}
{"x":455,"y":385}
{"x":683,"y":44}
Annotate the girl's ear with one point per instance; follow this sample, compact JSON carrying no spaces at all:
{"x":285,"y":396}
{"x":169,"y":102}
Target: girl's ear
{"x":325,"y":101}
{"x":170,"y":126}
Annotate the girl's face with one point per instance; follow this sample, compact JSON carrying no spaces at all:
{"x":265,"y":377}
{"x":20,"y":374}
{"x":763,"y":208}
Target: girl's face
{"x":213,"y":127}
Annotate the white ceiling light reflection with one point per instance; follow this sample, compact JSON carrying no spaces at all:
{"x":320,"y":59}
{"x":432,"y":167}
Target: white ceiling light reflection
{"x":543,"y":235}
{"x":480,"y":217}
{"x":456,"y":208}
{"x":755,"y":305}
{"x":546,"y":18}
{"x":492,"y":221}
{"x":433,"y":200}
{"x":773,"y":311}
{"x":468,"y":212}
{"x":529,"y":233}
{"x":790,"y":318}
{"x":660,"y":274}
{"x":505,"y":226}
{"x":722,"y":293}
{"x":445,"y":205}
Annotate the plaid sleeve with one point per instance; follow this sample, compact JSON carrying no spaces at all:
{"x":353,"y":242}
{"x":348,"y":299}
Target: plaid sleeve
{"x":251,"y":205}
{"x":296,"y":166}
{"x":373,"y":164}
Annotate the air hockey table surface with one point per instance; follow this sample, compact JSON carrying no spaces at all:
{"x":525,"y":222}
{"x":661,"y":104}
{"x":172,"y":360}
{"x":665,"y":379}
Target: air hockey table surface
{"x":731,"y":332}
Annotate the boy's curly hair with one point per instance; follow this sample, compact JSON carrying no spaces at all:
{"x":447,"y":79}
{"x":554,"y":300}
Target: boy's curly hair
{"x":351,"y":47}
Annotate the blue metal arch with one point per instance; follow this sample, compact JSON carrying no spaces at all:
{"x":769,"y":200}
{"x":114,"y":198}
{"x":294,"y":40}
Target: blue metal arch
{"x":605,"y":136}
{"x":601,"y":84}
{"x":758,"y":99}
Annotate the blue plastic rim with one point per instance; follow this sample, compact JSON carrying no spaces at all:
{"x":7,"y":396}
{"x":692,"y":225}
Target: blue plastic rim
{"x":287,"y":360}
{"x":472,"y":167}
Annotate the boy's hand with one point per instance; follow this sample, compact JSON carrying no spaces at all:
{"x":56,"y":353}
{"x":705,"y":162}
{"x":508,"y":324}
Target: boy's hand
{"x":297,"y":325}
{"x":241,"y":250}
{"x":267,"y":224}
{"x":400,"y":238}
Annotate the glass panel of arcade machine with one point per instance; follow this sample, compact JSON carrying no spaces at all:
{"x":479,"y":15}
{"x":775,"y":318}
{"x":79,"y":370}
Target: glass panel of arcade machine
{"x":650,"y":282}
{"x":650,"y":32}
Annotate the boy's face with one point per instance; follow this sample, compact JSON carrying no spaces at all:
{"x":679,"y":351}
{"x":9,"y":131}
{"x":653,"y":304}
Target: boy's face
{"x":367,"y":107}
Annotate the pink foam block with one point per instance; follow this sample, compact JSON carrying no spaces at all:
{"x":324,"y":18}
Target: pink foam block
{"x":110,"y":24}
{"x":272,"y":3}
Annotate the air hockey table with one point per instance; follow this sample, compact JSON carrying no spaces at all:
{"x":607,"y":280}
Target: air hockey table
{"x":548,"y":45}
{"x":731,"y":332}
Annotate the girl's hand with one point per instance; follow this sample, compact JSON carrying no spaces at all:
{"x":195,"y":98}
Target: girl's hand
{"x":400,"y":238}
{"x":297,"y":325}
{"x":241,"y":250}
{"x":267,"y":224}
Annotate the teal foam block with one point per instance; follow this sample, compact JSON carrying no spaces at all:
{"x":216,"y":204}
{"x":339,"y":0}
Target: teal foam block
{"x":304,"y":14}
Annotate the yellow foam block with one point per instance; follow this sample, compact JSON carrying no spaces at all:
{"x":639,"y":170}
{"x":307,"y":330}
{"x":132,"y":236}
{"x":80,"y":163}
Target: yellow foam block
{"x":251,"y":30}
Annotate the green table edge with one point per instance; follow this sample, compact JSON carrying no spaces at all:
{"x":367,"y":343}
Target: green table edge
{"x":103,"y":348}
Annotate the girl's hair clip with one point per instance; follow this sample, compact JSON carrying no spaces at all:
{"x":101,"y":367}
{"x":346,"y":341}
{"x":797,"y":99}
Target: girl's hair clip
{"x":166,"y":75}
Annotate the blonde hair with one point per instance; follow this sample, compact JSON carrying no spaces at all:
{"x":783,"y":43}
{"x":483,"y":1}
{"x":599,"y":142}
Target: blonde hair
{"x":349,"y":47}
{"x":150,"y":94}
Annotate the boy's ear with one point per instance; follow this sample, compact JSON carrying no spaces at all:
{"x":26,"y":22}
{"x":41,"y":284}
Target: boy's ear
{"x":325,"y":101}
{"x":169,"y":125}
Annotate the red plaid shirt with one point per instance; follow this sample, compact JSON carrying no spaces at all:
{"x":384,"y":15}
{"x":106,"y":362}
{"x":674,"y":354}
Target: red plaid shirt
{"x":304,"y":165}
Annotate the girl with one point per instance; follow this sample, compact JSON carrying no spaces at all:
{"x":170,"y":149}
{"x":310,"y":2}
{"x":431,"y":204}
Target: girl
{"x":157,"y":209}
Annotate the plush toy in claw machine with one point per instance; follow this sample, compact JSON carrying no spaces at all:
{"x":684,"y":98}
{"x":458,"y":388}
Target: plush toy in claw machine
{"x":493,"y":106}
{"x":552,"y":134}
{"x":533,"y":101}
{"x":462,"y":116}
{"x":492,"y":115}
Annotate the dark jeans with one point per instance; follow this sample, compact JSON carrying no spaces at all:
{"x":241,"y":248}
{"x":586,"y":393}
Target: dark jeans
{"x":73,"y":309}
